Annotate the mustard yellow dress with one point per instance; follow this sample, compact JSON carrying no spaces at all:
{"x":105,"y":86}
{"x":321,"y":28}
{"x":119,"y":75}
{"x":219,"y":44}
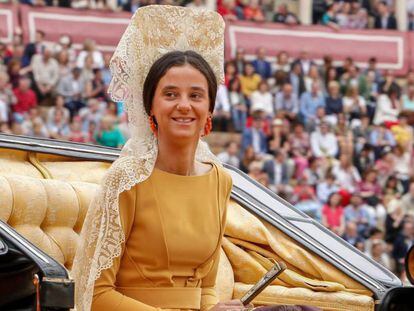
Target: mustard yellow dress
{"x":173,"y":226}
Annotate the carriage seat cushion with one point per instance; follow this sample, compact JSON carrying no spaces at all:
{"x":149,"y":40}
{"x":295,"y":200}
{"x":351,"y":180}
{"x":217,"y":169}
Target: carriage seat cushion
{"x":49,"y":213}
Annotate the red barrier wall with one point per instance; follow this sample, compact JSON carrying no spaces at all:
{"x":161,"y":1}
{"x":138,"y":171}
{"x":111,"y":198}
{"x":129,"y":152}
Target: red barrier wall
{"x":105,"y":28}
{"x":393,"y":49}
{"x":8,"y":22}
{"x":390,"y":47}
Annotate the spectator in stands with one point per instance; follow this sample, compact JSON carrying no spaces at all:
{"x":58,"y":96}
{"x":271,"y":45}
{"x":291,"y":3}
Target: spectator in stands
{"x":407,"y":100}
{"x":282,"y":62}
{"x":229,"y":10}
{"x":329,"y":18}
{"x":410,"y":12}
{"x":261,"y":65}
{"x":76,"y":134}
{"x":326,"y":189}
{"x":283,"y":15}
{"x":403,"y":241}
{"x":72,"y":88}
{"x":238,"y":105}
{"x":407,"y":201}
{"x":253,"y":12}
{"x":299,"y":139}
{"x":309,"y":103}
{"x":378,"y":253}
{"x":304,"y":62}
{"x":388,"y":108}
{"x":96,"y":88}
{"x":230,"y":73}
{"x":64,"y":65}
{"x":360,"y":19}
{"x":262,"y":100}
{"x":372,"y":66}
{"x":344,"y":135}
{"x":33,"y":48}
{"x":277,"y":170}
{"x":365,"y":159}
{"x":311,"y":77}
{"x":357,"y":212}
{"x":384,"y":19}
{"x":33,"y":124}
{"x":286,"y":103}
{"x":346,"y":173}
{"x":369,"y":187}
{"x":58,"y":127}
{"x":254,"y":136}
{"x":7,"y":98}
{"x":380,"y":138}
{"x":25,"y":98}
{"x":59,"y":105}
{"x":333,"y":214}
{"x":249,"y":80}
{"x":296,"y":79}
{"x":240,"y":61}
{"x":323,"y":142}
{"x":393,"y":186}
{"x":389,"y":83}
{"x":222,"y":110}
{"x":109,"y":135}
{"x":352,"y":236}
{"x":352,"y":78}
{"x":334,"y":103}
{"x":65,"y":44}
{"x":305,"y":199}
{"x":230,"y":154}
{"x":403,"y":133}
{"x":89,"y":48}
{"x":354,"y":104}
{"x":93,"y":112}
{"x":45,"y":74}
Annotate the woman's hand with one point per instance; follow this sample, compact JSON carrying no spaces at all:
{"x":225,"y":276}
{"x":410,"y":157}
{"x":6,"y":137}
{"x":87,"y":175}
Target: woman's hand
{"x":232,"y":305}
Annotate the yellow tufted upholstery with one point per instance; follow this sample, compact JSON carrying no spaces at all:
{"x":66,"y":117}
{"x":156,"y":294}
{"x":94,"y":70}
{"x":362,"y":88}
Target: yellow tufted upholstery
{"x":46,"y":197}
{"x":47,"y":212}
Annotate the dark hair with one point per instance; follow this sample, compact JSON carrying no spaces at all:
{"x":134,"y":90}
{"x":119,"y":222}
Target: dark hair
{"x":174,"y":59}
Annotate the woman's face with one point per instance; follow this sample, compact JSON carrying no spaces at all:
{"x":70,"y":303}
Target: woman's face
{"x":181,"y":103}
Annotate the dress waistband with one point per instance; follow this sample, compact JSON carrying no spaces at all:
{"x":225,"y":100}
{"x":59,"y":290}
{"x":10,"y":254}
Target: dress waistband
{"x":165,"y":297}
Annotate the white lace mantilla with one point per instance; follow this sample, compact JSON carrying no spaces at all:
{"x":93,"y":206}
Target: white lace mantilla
{"x":152,"y":32}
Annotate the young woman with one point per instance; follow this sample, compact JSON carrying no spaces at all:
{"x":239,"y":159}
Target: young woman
{"x":151,"y":239}
{"x":333,"y":214}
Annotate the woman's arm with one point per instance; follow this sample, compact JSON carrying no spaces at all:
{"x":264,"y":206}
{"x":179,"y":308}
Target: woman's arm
{"x":105,"y":296}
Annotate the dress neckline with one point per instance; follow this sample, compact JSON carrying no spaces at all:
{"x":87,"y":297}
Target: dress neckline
{"x":213,"y":166}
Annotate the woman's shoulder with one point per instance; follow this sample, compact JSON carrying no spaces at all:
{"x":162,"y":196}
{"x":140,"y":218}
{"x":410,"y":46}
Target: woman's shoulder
{"x":224,"y":177}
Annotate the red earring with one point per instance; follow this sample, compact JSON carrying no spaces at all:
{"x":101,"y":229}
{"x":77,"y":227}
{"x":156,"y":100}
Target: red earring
{"x":153,"y":126}
{"x":208,"y":127}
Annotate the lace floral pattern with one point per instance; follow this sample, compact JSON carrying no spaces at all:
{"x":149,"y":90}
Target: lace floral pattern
{"x":141,"y":45}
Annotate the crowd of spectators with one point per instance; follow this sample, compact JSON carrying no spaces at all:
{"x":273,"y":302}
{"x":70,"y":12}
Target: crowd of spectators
{"x":53,"y":91}
{"x":337,"y":142}
{"x":337,"y":14}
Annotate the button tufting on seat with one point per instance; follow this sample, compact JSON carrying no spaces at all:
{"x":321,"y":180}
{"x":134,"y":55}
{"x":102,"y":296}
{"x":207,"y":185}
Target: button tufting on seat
{"x":49,"y":213}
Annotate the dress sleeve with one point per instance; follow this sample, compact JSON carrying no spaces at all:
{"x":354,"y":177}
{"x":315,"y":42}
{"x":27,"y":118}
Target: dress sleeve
{"x":105,"y":296}
{"x":209,"y":296}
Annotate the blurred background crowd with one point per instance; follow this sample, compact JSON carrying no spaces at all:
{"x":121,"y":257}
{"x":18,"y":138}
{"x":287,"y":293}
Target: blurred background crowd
{"x":338,"y":14}
{"x":335,"y":141}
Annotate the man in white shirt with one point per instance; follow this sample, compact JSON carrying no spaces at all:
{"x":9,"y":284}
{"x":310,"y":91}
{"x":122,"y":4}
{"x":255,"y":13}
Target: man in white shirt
{"x":45,"y":72}
{"x":323,"y":142}
{"x":286,"y":102}
{"x":221,"y":114}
